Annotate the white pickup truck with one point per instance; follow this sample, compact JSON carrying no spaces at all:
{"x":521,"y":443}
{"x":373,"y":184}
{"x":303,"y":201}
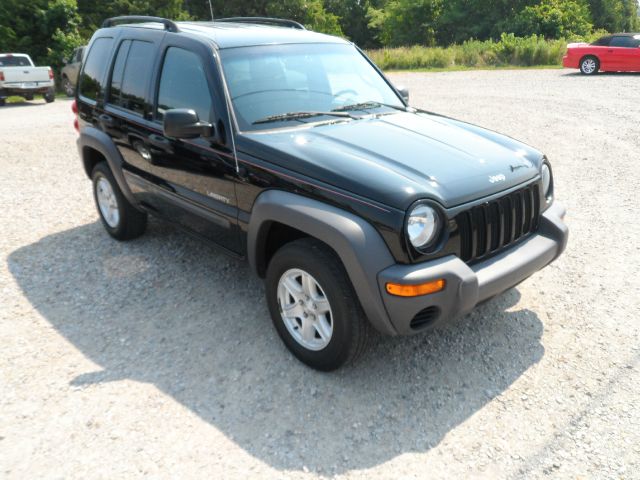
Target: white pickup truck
{"x":19,"y":76}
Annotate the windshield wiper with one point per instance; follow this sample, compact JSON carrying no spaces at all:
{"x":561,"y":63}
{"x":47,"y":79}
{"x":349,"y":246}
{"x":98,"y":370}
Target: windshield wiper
{"x":300,"y":115}
{"x":367,"y":106}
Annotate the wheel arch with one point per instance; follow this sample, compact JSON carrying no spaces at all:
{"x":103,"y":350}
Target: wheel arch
{"x":356,"y":242}
{"x":95,"y":146}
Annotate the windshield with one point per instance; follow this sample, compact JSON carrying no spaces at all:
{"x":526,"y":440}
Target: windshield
{"x":274,"y":80}
{"x":14,"y":62}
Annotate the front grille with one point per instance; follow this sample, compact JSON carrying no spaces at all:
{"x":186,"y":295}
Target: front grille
{"x":491,"y":226}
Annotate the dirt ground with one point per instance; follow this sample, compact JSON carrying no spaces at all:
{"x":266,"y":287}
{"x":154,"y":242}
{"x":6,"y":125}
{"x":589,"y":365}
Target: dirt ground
{"x":157,"y":357}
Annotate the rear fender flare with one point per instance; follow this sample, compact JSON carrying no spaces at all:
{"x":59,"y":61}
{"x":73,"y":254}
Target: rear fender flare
{"x":91,"y":137}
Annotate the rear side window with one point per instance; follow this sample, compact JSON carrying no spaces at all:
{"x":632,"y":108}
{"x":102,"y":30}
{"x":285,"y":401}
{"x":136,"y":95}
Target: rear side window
{"x":131,"y":73}
{"x":92,"y":79}
{"x":625,"y":42}
{"x":183,"y":84}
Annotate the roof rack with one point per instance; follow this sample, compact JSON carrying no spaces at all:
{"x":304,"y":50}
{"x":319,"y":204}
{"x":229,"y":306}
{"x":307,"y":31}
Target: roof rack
{"x":280,"y":22}
{"x":169,"y":25}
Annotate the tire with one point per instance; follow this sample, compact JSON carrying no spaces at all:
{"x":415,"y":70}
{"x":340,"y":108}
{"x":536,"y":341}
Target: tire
{"x":28,"y":97}
{"x":589,"y":65}
{"x":350,"y":329}
{"x":124,"y":222}
{"x":50,"y":96}
{"x":2,"y":102}
{"x":68,"y":87}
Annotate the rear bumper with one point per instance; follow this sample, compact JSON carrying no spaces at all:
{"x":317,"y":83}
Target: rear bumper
{"x":468,"y":285}
{"x":25,"y":88}
{"x":569,"y":62}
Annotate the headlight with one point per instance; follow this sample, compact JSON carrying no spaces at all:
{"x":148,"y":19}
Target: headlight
{"x":422,"y":226}
{"x":546,"y":180}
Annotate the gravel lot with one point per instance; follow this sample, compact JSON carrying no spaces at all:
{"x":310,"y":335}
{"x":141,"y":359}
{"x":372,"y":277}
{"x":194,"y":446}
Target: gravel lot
{"x":157,"y":357}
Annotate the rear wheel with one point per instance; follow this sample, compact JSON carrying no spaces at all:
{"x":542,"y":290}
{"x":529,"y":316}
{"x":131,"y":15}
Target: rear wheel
{"x":50,"y":96}
{"x":68,"y":87}
{"x":121,"y":220}
{"x":28,"y":97}
{"x":313,"y":306}
{"x":589,"y":65}
{"x":2,"y":102}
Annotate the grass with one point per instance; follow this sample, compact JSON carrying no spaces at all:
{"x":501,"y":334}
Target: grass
{"x":509,"y":52}
{"x":14,"y":99}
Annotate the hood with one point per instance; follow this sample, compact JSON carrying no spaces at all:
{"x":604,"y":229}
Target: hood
{"x":399,"y":158}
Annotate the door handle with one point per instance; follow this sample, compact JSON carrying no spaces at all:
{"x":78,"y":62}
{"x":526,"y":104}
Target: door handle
{"x":610,"y":51}
{"x":106,"y":120}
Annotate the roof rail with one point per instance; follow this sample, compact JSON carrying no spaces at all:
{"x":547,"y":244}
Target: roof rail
{"x":280,"y":22}
{"x":169,"y":25}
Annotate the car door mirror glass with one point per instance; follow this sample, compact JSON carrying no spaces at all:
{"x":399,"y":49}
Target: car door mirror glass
{"x":184,"y":123}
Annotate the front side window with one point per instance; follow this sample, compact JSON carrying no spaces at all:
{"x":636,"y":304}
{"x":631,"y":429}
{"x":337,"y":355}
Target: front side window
{"x":602,"y":42}
{"x":92,"y":78}
{"x":273,"y":80}
{"x":183,"y":84}
{"x":131,"y":74}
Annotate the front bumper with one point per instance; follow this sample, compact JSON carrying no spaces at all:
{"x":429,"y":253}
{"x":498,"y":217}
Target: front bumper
{"x":468,"y":285}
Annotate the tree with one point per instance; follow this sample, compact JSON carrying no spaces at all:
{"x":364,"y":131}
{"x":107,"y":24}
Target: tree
{"x":614,"y":15}
{"x":47,"y":30}
{"x":354,"y":20}
{"x":480,"y":19}
{"x":311,"y":13}
{"x":406,"y":22}
{"x":553,"y":19}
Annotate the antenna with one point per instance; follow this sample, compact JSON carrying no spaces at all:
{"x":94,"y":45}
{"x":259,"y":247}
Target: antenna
{"x":211,"y":10}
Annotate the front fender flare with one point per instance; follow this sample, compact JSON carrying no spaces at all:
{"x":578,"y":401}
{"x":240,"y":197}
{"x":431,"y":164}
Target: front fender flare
{"x":360,"y":247}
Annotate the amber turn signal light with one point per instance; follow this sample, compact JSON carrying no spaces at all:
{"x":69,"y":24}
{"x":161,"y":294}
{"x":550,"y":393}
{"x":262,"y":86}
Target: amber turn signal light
{"x":415,"y":290}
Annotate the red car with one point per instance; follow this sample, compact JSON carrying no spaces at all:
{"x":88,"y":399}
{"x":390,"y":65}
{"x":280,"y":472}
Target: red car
{"x":614,"y":53}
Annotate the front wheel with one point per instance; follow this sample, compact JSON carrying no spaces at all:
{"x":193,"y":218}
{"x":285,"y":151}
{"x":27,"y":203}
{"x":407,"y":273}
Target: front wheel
{"x":313,"y":306}
{"x":121,"y":220}
{"x":589,"y":65}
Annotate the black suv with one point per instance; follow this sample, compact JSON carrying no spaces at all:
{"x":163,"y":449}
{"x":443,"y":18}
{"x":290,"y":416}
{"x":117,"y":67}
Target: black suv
{"x":291,"y":149}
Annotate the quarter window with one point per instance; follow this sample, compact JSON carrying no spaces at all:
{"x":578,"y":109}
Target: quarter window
{"x":183,"y":84}
{"x":92,"y":79}
{"x":131,"y":74}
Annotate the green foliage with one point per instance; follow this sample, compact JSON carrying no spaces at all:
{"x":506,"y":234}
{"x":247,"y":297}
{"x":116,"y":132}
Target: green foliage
{"x":402,"y":22}
{"x":553,"y":19}
{"x":615,"y":15}
{"x":509,"y":51}
{"x":49,"y":30}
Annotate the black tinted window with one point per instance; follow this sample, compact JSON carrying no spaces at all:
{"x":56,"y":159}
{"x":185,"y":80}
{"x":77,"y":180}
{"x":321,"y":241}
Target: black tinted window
{"x":183,"y":84}
{"x":602,"y":42}
{"x":14,"y":62}
{"x":92,"y":79}
{"x":628,"y":42}
{"x":118,"y":72}
{"x":131,"y":73}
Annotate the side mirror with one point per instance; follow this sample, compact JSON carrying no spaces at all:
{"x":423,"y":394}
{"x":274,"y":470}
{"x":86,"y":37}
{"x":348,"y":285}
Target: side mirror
{"x":184,"y":123}
{"x":404,"y":92}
